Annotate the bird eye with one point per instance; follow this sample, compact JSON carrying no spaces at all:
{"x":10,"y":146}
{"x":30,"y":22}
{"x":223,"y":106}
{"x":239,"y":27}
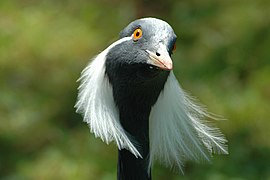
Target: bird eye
{"x":137,"y":34}
{"x":174,"y":47}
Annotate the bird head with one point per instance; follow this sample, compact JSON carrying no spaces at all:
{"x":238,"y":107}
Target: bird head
{"x":153,"y":42}
{"x":149,"y":45}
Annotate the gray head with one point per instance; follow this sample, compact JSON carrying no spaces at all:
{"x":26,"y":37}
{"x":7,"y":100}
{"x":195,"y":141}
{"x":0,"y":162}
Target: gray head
{"x":155,"y":33}
{"x":151,"y":42}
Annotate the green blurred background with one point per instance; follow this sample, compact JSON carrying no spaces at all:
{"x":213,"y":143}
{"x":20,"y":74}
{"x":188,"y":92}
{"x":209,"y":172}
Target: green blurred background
{"x":222,"y":57}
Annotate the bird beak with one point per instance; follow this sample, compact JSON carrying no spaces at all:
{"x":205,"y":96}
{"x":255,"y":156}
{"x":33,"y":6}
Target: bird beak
{"x":160,"y":59}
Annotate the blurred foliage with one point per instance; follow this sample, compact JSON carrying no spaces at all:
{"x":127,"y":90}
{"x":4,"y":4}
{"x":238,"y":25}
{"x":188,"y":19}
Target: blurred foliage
{"x":223,"y":58}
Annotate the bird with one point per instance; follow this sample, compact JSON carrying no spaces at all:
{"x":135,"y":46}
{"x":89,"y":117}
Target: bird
{"x":128,"y":94}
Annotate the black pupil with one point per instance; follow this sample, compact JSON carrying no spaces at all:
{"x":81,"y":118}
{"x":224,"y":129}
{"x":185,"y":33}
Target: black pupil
{"x":137,"y":33}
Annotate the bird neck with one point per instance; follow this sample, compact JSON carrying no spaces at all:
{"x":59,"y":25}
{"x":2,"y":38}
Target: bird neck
{"x":132,"y":168}
{"x":137,"y":127}
{"x":135,"y":91}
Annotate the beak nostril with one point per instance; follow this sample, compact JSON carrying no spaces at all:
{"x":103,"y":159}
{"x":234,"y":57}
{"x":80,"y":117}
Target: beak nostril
{"x":157,"y":54}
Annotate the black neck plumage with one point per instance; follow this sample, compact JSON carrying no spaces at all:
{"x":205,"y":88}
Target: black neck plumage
{"x":130,"y":167}
{"x":134,"y":104}
{"x":136,"y":89}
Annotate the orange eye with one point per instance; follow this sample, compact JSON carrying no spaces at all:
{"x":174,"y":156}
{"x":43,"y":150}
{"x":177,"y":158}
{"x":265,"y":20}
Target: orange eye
{"x":174,"y":47}
{"x":137,"y":34}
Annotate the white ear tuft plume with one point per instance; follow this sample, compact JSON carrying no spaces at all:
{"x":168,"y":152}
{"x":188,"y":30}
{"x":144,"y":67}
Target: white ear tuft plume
{"x":95,"y":102}
{"x":178,"y":131}
{"x":177,"y":126}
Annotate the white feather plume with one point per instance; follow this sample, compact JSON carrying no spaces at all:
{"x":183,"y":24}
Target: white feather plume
{"x":178,"y":131}
{"x":95,"y":102}
{"x":177,"y":126}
